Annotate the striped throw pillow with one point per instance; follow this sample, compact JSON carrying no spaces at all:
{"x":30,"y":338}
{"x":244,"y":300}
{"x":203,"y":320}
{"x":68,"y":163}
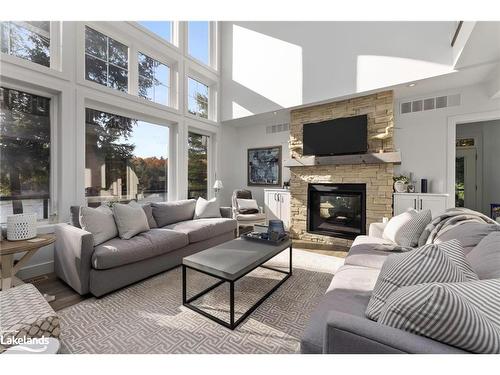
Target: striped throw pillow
{"x":405,"y":229}
{"x":465,"y":315}
{"x":444,"y":262}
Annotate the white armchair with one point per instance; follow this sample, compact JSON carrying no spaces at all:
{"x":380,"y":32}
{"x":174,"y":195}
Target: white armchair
{"x":246,"y":219}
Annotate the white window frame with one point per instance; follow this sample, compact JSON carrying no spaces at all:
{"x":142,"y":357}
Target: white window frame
{"x":118,"y":39}
{"x":212,"y":95}
{"x":54,"y":127}
{"x":175,"y":34}
{"x":213,"y":46}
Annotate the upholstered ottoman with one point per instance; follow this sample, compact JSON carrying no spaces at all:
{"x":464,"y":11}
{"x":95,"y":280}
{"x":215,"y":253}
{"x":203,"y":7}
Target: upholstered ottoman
{"x":24,"y":315}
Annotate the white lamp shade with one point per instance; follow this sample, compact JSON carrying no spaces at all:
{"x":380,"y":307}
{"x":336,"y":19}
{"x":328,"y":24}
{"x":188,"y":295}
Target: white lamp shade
{"x":218,"y":185}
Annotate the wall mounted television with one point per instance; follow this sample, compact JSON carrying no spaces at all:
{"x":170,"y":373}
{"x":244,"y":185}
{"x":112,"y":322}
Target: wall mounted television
{"x":341,"y":136}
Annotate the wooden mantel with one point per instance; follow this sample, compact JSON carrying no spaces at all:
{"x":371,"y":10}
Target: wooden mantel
{"x":371,"y":158}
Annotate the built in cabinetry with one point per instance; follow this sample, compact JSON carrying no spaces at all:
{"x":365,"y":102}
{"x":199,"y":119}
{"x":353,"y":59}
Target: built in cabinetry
{"x":277,"y":205}
{"x":420,"y":201}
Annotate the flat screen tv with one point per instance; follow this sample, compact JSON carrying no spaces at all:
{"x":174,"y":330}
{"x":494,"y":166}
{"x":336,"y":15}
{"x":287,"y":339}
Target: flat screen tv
{"x":341,"y":136}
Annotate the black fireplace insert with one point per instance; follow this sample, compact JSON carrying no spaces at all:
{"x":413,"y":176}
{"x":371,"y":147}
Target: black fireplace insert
{"x":337,"y":210}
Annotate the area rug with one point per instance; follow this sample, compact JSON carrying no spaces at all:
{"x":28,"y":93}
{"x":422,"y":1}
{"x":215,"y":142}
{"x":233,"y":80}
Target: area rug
{"x":148,"y":317}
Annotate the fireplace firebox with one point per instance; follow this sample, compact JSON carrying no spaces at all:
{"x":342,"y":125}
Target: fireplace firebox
{"x":337,"y":210}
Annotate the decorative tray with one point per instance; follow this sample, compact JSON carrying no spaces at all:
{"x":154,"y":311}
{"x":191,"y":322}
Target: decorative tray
{"x":253,"y":236}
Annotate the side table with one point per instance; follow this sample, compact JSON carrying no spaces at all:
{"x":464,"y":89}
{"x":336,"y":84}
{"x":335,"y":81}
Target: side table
{"x":9,"y":248}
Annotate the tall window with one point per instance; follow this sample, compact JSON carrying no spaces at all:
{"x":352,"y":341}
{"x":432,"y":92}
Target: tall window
{"x":24,"y":154}
{"x":197,"y":165}
{"x":29,"y":40}
{"x":106,"y":60}
{"x":197,"y":98}
{"x":154,"y":80}
{"x":124,"y":159}
{"x":161,"y":28}
{"x":199,"y":41}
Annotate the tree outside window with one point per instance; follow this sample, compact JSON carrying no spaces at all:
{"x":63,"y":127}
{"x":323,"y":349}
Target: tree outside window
{"x":29,"y":40}
{"x":197,"y":165}
{"x":197,"y":98}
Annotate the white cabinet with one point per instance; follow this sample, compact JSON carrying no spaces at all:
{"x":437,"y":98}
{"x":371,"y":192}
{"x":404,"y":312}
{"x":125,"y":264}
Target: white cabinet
{"x":277,"y":205}
{"x":420,"y":201}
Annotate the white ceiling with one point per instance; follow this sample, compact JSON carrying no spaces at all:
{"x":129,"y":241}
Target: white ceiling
{"x":483,"y":45}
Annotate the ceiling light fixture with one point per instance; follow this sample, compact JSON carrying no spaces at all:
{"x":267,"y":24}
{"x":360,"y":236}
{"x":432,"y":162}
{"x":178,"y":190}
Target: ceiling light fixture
{"x":413,"y":84}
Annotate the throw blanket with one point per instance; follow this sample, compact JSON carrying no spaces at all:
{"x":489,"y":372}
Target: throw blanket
{"x":451,"y":218}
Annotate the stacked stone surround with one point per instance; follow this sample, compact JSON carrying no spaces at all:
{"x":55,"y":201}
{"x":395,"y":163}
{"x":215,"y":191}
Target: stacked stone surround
{"x":377,"y":177}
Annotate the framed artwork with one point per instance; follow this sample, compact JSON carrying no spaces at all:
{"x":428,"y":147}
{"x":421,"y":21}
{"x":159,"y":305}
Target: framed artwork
{"x":264,"y":166}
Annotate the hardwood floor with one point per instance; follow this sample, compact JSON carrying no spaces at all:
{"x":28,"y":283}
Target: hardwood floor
{"x":52,"y":285}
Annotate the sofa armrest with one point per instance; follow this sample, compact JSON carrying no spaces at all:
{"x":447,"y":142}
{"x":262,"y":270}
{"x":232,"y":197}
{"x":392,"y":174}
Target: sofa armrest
{"x":376,"y":229}
{"x":226,"y":212}
{"x":346,"y":333}
{"x":73,"y":256}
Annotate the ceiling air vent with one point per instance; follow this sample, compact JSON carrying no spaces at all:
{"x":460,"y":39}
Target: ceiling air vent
{"x":278,"y":128}
{"x":429,"y":104}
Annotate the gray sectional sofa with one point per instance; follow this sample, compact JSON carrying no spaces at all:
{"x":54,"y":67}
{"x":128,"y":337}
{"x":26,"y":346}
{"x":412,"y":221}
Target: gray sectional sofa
{"x":118,"y":262}
{"x":339,"y":325}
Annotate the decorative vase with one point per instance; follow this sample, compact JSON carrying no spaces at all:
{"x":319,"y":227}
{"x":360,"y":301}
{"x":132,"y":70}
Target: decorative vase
{"x":21,"y":227}
{"x":400,"y":187}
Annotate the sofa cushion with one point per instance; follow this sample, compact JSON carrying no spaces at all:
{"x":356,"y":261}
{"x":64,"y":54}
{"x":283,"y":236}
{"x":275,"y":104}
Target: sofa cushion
{"x":130,"y":219}
{"x":148,"y":210}
{"x":166,"y":213}
{"x":405,"y":229}
{"x":346,"y":301}
{"x":100,"y":222}
{"x":203,"y":229}
{"x":430,"y":263}
{"x":355,"y":278}
{"x":118,"y":252}
{"x":367,"y":255}
{"x":485,"y":257}
{"x":464,"y":315}
{"x":206,"y":209}
{"x":469,"y":234}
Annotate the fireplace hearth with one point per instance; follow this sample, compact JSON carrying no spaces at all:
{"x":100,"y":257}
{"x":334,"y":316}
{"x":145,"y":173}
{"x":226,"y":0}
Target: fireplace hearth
{"x":337,"y":210}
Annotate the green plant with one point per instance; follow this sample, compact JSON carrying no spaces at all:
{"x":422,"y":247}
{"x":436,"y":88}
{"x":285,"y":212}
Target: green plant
{"x":401,"y":178}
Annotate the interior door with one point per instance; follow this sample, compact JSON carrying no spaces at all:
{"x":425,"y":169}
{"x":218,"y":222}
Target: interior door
{"x":465,"y":178}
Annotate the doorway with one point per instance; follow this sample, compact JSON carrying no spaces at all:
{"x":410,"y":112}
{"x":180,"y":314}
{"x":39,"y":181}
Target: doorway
{"x":466,"y":184}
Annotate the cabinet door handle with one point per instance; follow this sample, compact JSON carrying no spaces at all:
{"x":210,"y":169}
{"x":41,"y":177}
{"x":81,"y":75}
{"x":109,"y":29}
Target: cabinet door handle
{"x":415,"y":203}
{"x":276,"y":196}
{"x":421,"y":204}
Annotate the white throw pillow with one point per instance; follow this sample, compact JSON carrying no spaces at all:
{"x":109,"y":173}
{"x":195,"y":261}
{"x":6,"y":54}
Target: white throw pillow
{"x":247,"y":204}
{"x":206,"y":209}
{"x":405,"y":229}
{"x":100,"y":222}
{"x":130,"y":219}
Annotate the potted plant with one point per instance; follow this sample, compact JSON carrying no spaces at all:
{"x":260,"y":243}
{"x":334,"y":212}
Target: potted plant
{"x":401,"y":183}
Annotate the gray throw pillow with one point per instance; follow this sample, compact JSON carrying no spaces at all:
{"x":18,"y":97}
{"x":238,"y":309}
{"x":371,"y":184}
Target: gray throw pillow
{"x":207,"y":209}
{"x":148,"y":210}
{"x":74,"y":216}
{"x":485,"y":257}
{"x":130,"y":219}
{"x":405,"y":229}
{"x":464,"y":314}
{"x":166,"y":213}
{"x":430,"y":263}
{"x":100,"y":222}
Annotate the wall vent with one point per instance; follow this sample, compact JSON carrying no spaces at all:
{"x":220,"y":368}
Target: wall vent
{"x":429,"y":104}
{"x":278,"y":128}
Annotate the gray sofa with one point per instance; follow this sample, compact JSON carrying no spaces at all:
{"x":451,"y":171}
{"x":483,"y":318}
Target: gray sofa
{"x":117,"y":263}
{"x":339,"y":325}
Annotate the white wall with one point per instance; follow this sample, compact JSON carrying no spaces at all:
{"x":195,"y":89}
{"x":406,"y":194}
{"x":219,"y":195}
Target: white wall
{"x":270,"y":65}
{"x":236,"y":142}
{"x":423,"y":136}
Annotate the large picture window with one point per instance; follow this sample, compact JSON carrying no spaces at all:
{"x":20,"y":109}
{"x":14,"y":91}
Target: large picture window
{"x":106,"y":60}
{"x":125,"y":159}
{"x":29,"y":40}
{"x":24,"y":154}
{"x":154,"y":80}
{"x":197,"y":98}
{"x":197,"y":165}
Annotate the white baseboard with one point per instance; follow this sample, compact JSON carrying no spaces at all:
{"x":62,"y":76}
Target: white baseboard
{"x":36,"y":270}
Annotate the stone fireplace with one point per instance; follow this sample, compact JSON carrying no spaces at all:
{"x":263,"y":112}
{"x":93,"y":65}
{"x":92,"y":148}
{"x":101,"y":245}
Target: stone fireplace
{"x":376,"y":178}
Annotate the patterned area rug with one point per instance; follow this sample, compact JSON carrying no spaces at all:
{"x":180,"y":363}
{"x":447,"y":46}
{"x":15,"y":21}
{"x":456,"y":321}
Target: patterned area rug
{"x":148,"y":317}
